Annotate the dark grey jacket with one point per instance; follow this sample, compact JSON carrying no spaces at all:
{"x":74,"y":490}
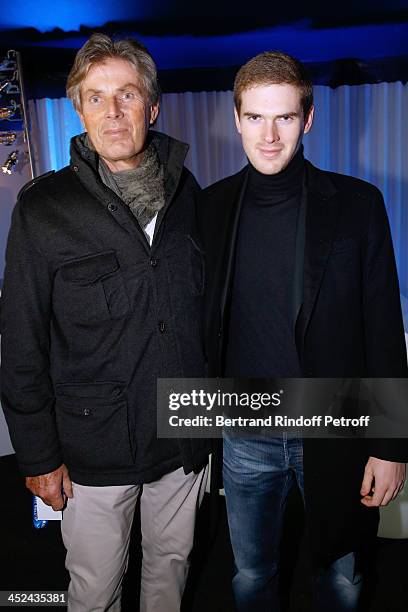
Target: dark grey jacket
{"x":92,"y":316}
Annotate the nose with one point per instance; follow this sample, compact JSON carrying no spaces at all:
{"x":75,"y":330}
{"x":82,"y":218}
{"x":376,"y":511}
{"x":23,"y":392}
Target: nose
{"x":271,"y":132}
{"x":113,"y":109}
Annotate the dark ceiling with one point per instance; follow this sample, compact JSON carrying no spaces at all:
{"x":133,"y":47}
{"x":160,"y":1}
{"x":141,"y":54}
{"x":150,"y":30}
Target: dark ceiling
{"x":368,"y":42}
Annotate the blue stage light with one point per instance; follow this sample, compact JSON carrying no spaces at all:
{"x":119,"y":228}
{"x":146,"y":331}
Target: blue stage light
{"x":48,"y":14}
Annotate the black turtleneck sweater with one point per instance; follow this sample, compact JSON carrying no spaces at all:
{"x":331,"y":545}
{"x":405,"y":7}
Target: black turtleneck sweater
{"x":261,"y":331}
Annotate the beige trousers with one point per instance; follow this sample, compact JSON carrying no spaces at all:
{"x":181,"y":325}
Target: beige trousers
{"x":96,"y":529}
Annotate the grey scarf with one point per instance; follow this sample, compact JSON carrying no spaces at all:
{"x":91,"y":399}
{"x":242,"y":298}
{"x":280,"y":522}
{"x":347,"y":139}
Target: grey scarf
{"x":141,"y":188}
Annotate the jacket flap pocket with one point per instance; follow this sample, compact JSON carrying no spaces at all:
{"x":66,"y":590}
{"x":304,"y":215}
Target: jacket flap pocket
{"x":94,"y":435}
{"x":90,"y":269}
{"x":105,"y":391}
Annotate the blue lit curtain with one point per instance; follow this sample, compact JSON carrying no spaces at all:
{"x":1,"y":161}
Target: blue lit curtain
{"x":358,"y":130}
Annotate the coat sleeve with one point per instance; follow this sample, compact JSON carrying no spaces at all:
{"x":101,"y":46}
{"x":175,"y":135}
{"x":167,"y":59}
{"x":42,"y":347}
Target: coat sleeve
{"x":27,"y":392}
{"x":383,"y":327}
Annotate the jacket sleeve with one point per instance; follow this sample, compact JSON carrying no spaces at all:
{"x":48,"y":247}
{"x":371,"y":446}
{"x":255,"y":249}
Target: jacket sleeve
{"x":27,"y":392}
{"x":383,"y":326}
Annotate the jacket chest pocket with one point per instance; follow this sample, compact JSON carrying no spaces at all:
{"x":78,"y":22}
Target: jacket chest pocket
{"x":91,"y":289}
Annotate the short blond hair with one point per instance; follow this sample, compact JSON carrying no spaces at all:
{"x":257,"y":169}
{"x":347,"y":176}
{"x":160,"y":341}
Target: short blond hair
{"x":100,"y":47}
{"x":270,"y":68}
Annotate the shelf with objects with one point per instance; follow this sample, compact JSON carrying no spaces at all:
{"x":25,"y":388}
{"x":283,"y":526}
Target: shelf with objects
{"x":16,"y":164}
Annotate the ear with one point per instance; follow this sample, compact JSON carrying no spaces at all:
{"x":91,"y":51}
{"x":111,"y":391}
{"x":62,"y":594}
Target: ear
{"x":154,"y":111}
{"x":309,"y":121}
{"x":237,"y":121}
{"x":77,"y":104}
{"x":81,"y":117}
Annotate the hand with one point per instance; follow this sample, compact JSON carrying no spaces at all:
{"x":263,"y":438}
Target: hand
{"x":53,"y":488}
{"x":384,"y":479}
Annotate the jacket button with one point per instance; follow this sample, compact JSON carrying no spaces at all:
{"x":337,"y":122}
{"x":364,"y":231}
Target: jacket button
{"x":75,"y":168}
{"x":112,"y":207}
{"x":219,"y":333}
{"x":86,"y":412}
{"x":153,"y":262}
{"x":162,"y":327}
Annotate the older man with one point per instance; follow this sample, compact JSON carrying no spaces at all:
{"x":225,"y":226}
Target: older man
{"x":102,"y":295}
{"x":302,"y":282}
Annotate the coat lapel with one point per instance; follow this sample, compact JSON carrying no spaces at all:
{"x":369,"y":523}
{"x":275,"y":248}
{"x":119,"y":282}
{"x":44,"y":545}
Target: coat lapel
{"x":322,"y":210}
{"x":234,"y":199}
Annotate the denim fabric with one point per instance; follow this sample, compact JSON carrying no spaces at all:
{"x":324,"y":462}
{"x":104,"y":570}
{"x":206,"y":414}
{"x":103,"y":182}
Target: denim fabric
{"x":338,"y":588}
{"x":258,"y":475}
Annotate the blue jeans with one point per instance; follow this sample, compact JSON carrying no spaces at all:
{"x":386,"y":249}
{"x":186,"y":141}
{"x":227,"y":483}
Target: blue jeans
{"x":258,"y":475}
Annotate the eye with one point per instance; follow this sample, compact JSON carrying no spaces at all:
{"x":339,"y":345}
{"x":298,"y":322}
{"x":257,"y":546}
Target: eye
{"x":286,"y":118}
{"x":127,"y":95}
{"x":94,"y":100}
{"x":253,"y":118}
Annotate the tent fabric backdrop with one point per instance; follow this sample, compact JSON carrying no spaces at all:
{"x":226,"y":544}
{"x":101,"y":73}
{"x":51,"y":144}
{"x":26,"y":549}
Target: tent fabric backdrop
{"x":359,"y":130}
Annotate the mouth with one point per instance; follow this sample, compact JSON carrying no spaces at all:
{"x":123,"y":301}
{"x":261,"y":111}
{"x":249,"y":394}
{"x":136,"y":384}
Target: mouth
{"x":270,"y":153}
{"x":114,"y":132}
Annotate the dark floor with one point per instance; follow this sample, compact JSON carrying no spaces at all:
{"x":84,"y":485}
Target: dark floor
{"x":34,"y":559}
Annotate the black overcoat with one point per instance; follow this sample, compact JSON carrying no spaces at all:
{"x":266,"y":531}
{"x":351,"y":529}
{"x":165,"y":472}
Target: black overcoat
{"x":347,"y":323}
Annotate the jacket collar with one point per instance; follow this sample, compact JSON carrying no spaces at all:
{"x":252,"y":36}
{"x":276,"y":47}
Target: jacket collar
{"x":171,"y":152}
{"x":320,"y":182}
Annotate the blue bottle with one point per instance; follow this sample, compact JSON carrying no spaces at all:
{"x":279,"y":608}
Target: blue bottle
{"x":38,"y":523}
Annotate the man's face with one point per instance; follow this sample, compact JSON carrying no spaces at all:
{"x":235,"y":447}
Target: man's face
{"x":271,"y":125}
{"x":115,"y":113}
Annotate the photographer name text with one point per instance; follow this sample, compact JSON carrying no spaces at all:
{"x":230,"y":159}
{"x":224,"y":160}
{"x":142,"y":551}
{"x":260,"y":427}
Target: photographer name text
{"x":269,"y":421}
